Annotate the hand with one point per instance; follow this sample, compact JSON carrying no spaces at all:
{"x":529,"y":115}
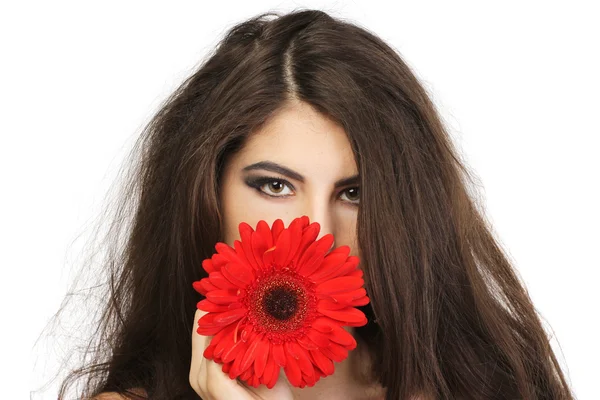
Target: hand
{"x":211,"y":383}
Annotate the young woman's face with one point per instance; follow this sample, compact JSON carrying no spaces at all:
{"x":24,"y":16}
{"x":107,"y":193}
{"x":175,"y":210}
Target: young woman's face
{"x":299,"y":163}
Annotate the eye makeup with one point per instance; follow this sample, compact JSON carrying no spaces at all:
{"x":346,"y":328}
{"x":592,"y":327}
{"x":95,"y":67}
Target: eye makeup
{"x":257,"y":182}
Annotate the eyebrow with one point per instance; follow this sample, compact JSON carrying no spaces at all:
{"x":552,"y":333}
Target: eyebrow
{"x":280,"y":169}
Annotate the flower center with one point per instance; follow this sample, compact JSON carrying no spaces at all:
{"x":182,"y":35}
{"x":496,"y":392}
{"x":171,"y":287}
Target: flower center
{"x":281,"y":302}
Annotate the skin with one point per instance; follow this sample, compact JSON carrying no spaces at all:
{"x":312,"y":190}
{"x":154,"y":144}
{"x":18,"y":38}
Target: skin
{"x":303,"y":140}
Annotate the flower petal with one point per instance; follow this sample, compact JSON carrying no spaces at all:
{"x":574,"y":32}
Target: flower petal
{"x":222,"y":296}
{"x":301,"y":356}
{"x":232,"y":352}
{"x":251,"y":352}
{"x":292,"y":371}
{"x":348,"y":297}
{"x":276,"y":229}
{"x":263,"y":229}
{"x":203,"y":286}
{"x":246,"y":232}
{"x":347,"y":268}
{"x":282,"y":248}
{"x":324,"y":324}
{"x":271,"y":373}
{"x":296,"y":240}
{"x":278,"y":354}
{"x":324,"y":363}
{"x":346,"y":315}
{"x":259,"y":246}
{"x":336,"y":352}
{"x":262,"y":354}
{"x":208,"y":306}
{"x":332,"y":261}
{"x":343,"y":337}
{"x":219,"y":280}
{"x":341,"y":284}
{"x":331,"y":305}
{"x":318,"y":338}
{"x":229,"y":317}
{"x":307,"y":343}
{"x":208,"y":266}
{"x":229,"y":253}
{"x":238,"y":274}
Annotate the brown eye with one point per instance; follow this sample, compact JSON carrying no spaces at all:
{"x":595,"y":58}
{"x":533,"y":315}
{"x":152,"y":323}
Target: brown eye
{"x":353,"y":194}
{"x":276,"y":186}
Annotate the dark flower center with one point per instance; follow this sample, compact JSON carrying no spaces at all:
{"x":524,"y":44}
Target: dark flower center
{"x":281,"y":302}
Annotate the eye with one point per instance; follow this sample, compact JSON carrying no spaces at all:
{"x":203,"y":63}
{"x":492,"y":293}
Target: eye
{"x":270,"y":186}
{"x":354,"y":194}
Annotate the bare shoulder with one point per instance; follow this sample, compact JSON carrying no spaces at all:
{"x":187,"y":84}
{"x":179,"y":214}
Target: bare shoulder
{"x":136,"y":394}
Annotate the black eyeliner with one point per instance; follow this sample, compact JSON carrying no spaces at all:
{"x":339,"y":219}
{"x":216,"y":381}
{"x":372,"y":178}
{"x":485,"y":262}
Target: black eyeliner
{"x":258,"y":181}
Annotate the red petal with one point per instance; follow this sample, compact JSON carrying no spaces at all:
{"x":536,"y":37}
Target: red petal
{"x":229,"y":317}
{"x":346,"y":315}
{"x":259,"y":246}
{"x":341,"y":284}
{"x":206,"y":325}
{"x":261,"y":358}
{"x":245,"y":335}
{"x":222,"y":296}
{"x":246,"y":232}
{"x":263,"y":229}
{"x":229,"y":253}
{"x":226,"y":367}
{"x":292,"y":371}
{"x":208,"y":306}
{"x":331,"y":305}
{"x":238,"y":274}
{"x":348,"y":297}
{"x":278,"y":354}
{"x":333,"y":261}
{"x":336,"y":352}
{"x":199,"y":287}
{"x":235,"y":371}
{"x":296,"y":228}
{"x":276,"y":229}
{"x":307,"y":343}
{"x":217,"y":279}
{"x":356,"y":272}
{"x":325,"y":364}
{"x":221,"y":346}
{"x":268,"y":256}
{"x":231,"y":353}
{"x":208,"y":352}
{"x":301,"y":356}
{"x":348,"y":268}
{"x":208,"y":266}
{"x":271,"y":373}
{"x":282,"y":249}
{"x":218,"y":260}
{"x":324,"y":325}
{"x":251,"y":353}
{"x":318,"y":338}
{"x":343,"y":337}
{"x":310,"y":379}
{"x":360,"y":302}
{"x":301,"y":241}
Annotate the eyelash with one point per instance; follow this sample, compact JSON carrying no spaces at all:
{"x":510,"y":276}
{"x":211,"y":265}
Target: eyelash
{"x":258,"y":182}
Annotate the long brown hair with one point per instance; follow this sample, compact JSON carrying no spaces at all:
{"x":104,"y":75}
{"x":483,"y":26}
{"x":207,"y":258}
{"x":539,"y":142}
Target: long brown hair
{"x":449,"y":317}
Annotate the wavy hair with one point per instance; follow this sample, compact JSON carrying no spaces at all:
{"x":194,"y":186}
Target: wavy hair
{"x":449,"y":316}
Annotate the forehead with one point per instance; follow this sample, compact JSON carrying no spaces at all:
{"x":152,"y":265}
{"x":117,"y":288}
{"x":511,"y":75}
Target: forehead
{"x":303,"y":139}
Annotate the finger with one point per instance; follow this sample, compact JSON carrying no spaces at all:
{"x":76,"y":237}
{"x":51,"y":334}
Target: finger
{"x":197,"y":376}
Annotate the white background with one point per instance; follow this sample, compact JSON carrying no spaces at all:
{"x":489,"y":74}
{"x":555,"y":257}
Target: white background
{"x":517,"y":83}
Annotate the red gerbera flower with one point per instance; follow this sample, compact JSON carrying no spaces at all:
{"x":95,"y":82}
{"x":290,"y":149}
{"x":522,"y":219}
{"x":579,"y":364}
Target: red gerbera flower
{"x":278,"y":299}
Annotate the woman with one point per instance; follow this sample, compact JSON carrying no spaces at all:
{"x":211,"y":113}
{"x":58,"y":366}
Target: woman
{"x":282,"y":111}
